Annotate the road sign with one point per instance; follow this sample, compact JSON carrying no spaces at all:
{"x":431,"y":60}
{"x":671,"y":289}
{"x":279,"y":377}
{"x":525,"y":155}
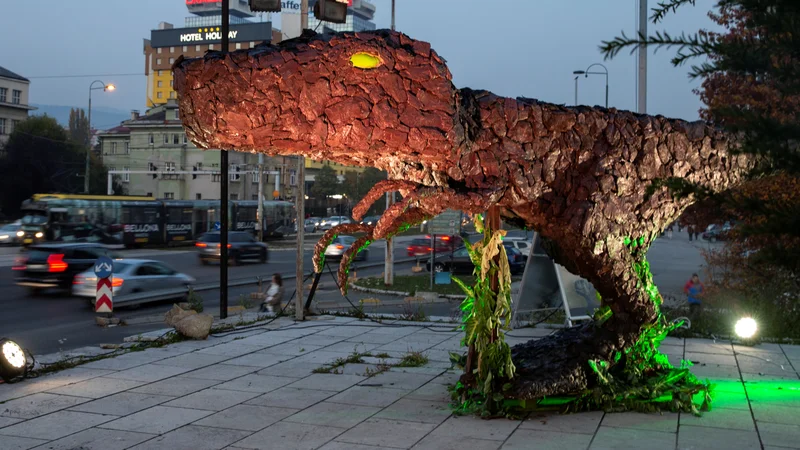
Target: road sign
{"x":448,"y":223}
{"x":103,"y":300}
{"x":103,"y":267}
{"x":217,"y":226}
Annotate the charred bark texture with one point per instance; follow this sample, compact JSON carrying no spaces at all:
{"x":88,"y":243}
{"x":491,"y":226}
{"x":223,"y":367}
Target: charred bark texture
{"x":577,"y":175}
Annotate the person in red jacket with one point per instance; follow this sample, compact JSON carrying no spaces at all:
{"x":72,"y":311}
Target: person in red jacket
{"x":694,"y":290}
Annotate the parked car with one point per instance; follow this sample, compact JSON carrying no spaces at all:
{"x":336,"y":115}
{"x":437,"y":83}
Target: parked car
{"x":330,"y":222}
{"x":316,"y":221}
{"x":11,"y":234}
{"x":47,"y":266}
{"x":369,"y":220}
{"x":521,"y":244}
{"x":241,"y":246}
{"x":340,"y":245}
{"x":310,"y":226}
{"x":444,"y":244}
{"x":459,"y":262}
{"x":716,"y":233}
{"x":136,"y":276}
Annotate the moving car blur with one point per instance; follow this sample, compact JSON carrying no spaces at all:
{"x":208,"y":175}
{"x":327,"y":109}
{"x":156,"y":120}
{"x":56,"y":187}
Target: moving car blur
{"x":241,"y":246}
{"x":135,"y":276}
{"x":339,"y":245}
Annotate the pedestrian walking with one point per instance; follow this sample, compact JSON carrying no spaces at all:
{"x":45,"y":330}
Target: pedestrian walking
{"x":690,"y":229}
{"x":669,"y":232}
{"x":694,"y":291}
{"x":274,"y":294}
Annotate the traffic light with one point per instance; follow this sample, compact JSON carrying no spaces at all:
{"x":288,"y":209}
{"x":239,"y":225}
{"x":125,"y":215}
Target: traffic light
{"x":334,"y":11}
{"x":265,"y":5}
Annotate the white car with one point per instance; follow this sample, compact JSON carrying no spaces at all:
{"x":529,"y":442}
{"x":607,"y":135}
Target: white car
{"x":133,"y":279}
{"x":330,"y":222}
{"x":336,"y":249}
{"x":521,"y":244}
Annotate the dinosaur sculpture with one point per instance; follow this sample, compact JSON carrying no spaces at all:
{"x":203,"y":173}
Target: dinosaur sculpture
{"x":577,"y":175}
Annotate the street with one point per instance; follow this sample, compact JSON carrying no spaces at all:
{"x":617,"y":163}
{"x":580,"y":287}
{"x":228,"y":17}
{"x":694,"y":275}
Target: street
{"x":53,"y":322}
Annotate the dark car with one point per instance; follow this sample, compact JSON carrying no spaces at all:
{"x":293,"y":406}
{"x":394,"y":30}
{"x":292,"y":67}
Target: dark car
{"x":458,"y":261}
{"x":370,"y":220}
{"x":444,"y":244}
{"x":241,"y":246}
{"x":48,"y":266}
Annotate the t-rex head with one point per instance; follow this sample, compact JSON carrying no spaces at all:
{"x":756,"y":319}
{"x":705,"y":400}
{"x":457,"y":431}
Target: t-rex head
{"x":368,"y":99}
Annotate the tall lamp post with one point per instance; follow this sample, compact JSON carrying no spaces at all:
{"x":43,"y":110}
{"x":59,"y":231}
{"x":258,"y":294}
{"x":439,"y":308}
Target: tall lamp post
{"x":92,"y":87}
{"x":588,"y":72}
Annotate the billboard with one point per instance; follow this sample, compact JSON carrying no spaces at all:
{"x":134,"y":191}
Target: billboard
{"x":249,"y":32}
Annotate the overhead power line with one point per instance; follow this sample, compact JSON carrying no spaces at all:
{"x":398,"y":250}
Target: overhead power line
{"x":91,"y":75}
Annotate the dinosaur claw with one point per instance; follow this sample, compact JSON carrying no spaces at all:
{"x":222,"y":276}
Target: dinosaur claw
{"x":344,"y":266}
{"x":329,"y":236}
{"x":377,"y":191}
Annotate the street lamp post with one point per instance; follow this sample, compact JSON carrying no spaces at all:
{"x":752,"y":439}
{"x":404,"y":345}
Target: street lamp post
{"x":587,"y":73}
{"x":104,"y":87}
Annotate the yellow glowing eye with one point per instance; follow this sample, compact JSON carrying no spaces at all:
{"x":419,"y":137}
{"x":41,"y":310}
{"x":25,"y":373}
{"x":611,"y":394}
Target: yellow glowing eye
{"x":364,"y":60}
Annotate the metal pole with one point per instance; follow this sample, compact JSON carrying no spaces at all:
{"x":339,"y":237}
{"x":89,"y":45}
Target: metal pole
{"x":606,"y":88}
{"x":88,"y":145}
{"x":388,"y":267}
{"x":392,"y":15}
{"x":260,"y":210}
{"x":642,"y":100}
{"x":433,"y":258}
{"x":110,"y":185}
{"x":576,"y":90}
{"x":223,"y":188}
{"x":299,"y":311}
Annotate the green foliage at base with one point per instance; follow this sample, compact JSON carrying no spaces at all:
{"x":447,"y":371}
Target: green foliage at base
{"x":486,"y":313}
{"x":639,"y":379}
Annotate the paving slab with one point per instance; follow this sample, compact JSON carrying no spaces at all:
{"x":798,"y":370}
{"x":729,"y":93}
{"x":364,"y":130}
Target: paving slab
{"x":292,"y":349}
{"x":290,"y":436}
{"x":691,"y":437}
{"x":176,"y":386}
{"x":247,"y":417}
{"x":667,"y":422}
{"x":398,"y":380}
{"x":334,"y":445}
{"x":289,"y":397}
{"x":612,"y":438}
{"x":290,"y":369}
{"x":431,"y":392}
{"x":6,"y":421}
{"x":38,"y":404}
{"x":333,"y":415}
{"x":257,"y":383}
{"x":157,"y":420}
{"x":775,"y":434}
{"x":474,"y":427}
{"x":212,"y":399}
{"x":149,"y":373}
{"x":99,"y":439}
{"x":97,"y":387}
{"x":369,"y":396}
{"x":583,"y":423}
{"x":193,"y":360}
{"x":733,"y":419}
{"x":387,"y":433}
{"x":259,"y":360}
{"x":221,"y":372}
{"x":56,"y":425}
{"x":194,"y":438}
{"x":445,"y":442}
{"x":122,"y":404}
{"x":412,"y":410}
{"x":20,"y":443}
{"x":231,"y":349}
{"x":551,"y":440}
{"x":328,"y":382}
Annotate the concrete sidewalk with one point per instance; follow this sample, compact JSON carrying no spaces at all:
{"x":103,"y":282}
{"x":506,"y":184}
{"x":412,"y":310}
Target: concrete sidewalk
{"x":256,"y":390}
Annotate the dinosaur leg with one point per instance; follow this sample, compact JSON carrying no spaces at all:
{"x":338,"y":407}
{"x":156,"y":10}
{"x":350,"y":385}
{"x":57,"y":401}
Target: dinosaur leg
{"x":559,"y":364}
{"x":434,"y":200}
{"x":408,"y":218}
{"x":378,"y":190}
{"x":330,"y":235}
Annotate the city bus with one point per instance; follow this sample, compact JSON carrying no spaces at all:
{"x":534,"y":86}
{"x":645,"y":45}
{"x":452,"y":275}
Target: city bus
{"x":129,"y":221}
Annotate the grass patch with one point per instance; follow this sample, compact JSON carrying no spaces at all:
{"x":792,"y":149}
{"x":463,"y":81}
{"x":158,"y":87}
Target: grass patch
{"x":413,"y":359}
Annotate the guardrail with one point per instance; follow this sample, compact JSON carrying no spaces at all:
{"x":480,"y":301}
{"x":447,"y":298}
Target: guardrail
{"x":167,"y":294}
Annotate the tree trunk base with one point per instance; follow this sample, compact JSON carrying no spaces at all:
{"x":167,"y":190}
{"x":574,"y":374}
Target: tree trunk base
{"x":558,"y":364}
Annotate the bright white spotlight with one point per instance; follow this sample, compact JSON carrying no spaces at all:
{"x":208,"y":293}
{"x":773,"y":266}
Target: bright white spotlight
{"x":12,"y":360}
{"x":746,"y":327}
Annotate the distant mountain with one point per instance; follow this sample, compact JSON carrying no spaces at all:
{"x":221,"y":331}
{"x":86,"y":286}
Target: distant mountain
{"x":102,"y":118}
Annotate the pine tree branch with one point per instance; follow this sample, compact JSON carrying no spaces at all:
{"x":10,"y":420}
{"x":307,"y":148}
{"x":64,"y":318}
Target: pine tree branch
{"x":667,"y":7}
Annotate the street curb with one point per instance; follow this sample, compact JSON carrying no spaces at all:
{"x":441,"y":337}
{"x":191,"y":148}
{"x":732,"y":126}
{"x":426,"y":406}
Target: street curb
{"x":400,"y":293}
